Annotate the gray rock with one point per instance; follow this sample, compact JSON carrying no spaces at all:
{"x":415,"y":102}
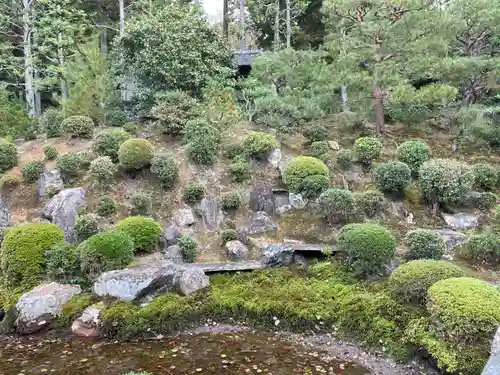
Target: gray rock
{"x":174,"y":254}
{"x":136,"y":282}
{"x":183,"y":217}
{"x":63,"y":209}
{"x":493,"y":365}
{"x":297,"y":201}
{"x":49,"y":183}
{"x":7,"y":324}
{"x":262,"y":199}
{"x":258,"y":223}
{"x":192,"y":280}
{"x":87,"y":325}
{"x":282,"y":202}
{"x":277,"y":254}
{"x":274,"y":157}
{"x":334,"y":145}
{"x":236,"y":251}
{"x":171,"y":235}
{"x":300,"y":261}
{"x":5,"y":214}
{"x":40,"y":306}
{"x":451,"y":238}
{"x":218,"y":267}
{"x":212,"y":213}
{"x":461,"y":221}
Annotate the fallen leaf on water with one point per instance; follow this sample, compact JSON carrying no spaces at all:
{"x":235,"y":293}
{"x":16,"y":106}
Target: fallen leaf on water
{"x":84,"y":360}
{"x":198,"y":369}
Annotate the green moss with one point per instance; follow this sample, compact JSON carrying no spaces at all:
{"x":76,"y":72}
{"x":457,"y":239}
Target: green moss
{"x":74,"y":308}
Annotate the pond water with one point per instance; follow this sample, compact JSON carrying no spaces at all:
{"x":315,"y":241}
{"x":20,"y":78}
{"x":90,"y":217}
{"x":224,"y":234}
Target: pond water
{"x":204,"y":353}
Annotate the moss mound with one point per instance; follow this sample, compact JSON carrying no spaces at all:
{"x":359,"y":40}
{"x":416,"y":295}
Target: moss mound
{"x":300,"y":170}
{"x":136,"y":154}
{"x":144,"y":232}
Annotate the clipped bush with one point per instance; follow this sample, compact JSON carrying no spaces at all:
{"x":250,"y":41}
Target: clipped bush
{"x":258,"y":143}
{"x":371,"y":202}
{"x":69,"y":165}
{"x":300,"y":168}
{"x":136,"y":154}
{"x":103,"y":170}
{"x":86,"y":158}
{"x":413,"y":153}
{"x":172,"y":110}
{"x":193,"y":192}
{"x":50,"y":122}
{"x":445,"y":180}
{"x":144,"y":232}
{"x":108,"y":142}
{"x":464,"y":309}
{"x":23,"y":250}
{"x":485,"y":176}
{"x":345,"y":158}
{"x":231,"y":200}
{"x":203,"y":140}
{"x":78,"y":127}
{"x":32,"y":170}
{"x":165,"y":169}
{"x":86,"y":226}
{"x":188,"y":248}
{"x":63,"y":263}
{"x":367,"y":149}
{"x":483,"y":248}
{"x":315,"y":133}
{"x":130,"y":128}
{"x":105,"y":252}
{"x":50,"y":152}
{"x":106,"y":206}
{"x":235,"y":151}
{"x":228,"y":235}
{"x":9,"y":181}
{"x":140,"y":204}
{"x":424,"y":244}
{"x":318,"y":149}
{"x":312,"y":186}
{"x":486,"y":200}
{"x":337,"y":204}
{"x":367,"y":247}
{"x":410,"y":281}
{"x":393,"y":176}
{"x":8,"y":156}
{"x":239,"y":170}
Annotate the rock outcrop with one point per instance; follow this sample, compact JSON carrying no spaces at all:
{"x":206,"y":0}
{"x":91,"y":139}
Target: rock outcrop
{"x":236,"y":250}
{"x":5,"y":214}
{"x":461,"y":221}
{"x":192,"y":280}
{"x":49,"y":183}
{"x":258,"y":223}
{"x":493,"y":365}
{"x":262,"y":199}
{"x":211,"y":213}
{"x":87,"y":325}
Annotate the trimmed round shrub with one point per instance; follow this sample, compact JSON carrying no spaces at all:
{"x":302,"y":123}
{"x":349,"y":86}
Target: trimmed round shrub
{"x":257,"y":143}
{"x":188,"y":248}
{"x":23,"y":250}
{"x":86,"y":226}
{"x":32,"y":170}
{"x":413,"y":153}
{"x":108,"y":142}
{"x":445,"y":180}
{"x":50,"y":152}
{"x":424,"y":244}
{"x":63,"y":263}
{"x":172,"y":110}
{"x":464,"y":309}
{"x":393,"y":176}
{"x":165,"y":169}
{"x":228,"y":235}
{"x":50,"y":122}
{"x":144,"y":232}
{"x":193,"y":192}
{"x":410,"y":281}
{"x":9,"y":181}
{"x":86,"y":158}
{"x":136,"y":154}
{"x":8,"y":156}
{"x":78,"y":127}
{"x":140,"y":204}
{"x":337,"y":204}
{"x":105,"y":252}
{"x":301,"y":167}
{"x":486,"y":200}
{"x":371,"y":202}
{"x":318,"y":149}
{"x":231,"y":200}
{"x":367,"y":247}
{"x":483,"y":248}
{"x":130,"y":128}
{"x":312,"y":186}
{"x":485,"y":176}
{"x":239,"y":170}
{"x":367,"y":149}
{"x":345,"y":158}
{"x":69,"y":165}
{"x":315,"y":133}
{"x":203,"y":141}
{"x":235,"y":151}
{"x":103,"y":170}
{"x":106,"y":206}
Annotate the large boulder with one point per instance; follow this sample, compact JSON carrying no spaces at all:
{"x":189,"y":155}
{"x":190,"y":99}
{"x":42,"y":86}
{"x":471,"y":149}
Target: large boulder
{"x":236,"y":251}
{"x":183,"y":217}
{"x":262,"y":199}
{"x":258,"y":223}
{"x":40,"y":306}
{"x":5,"y":214}
{"x":63,"y":209}
{"x":451,"y":238}
{"x":171,"y":234}
{"x":192,"y":280}
{"x":87,"y":325}
{"x":136,"y":282}
{"x":212,"y":213}
{"x":49,"y":183}
{"x":297,"y":201}
{"x":173,"y":253}
{"x":493,"y":365}
{"x":277,"y":255}
{"x":461,"y":221}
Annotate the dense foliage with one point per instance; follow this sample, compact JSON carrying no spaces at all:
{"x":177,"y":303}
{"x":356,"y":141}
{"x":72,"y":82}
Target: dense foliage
{"x":78,"y":126}
{"x":203,"y":139}
{"x":413,"y":153}
{"x":135,"y":154}
{"x":367,"y":149}
{"x":424,"y":244}
{"x":86,"y":226}
{"x":8,"y":156}
{"x":165,"y":169}
{"x":172,"y":110}
{"x":337,"y":204}
{"x":107,"y":143}
{"x":32,"y":170}
{"x":144,"y":232}
{"x":392,"y":176}
{"x":305,"y":174}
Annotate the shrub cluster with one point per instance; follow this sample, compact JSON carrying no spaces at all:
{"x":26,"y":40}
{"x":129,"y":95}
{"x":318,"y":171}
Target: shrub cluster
{"x":258,"y":143}
{"x":32,"y":170}
{"x":103,"y":170}
{"x":172,"y":110}
{"x":108,"y":142}
{"x":318,"y":149}
{"x":106,"y":206}
{"x":306,"y":175}
{"x":393,"y":176}
{"x":228,"y":235}
{"x":86,"y":226}
{"x":485,"y":176}
{"x":50,"y":122}
{"x":63,"y":263}
{"x":486,"y":200}
{"x":8,"y":156}
{"x":86,"y":158}
{"x":69,"y":165}
{"x":144,"y":232}
{"x":239,"y":169}
{"x":413,"y":153}
{"x":424,"y":244}
{"x":345,"y":158}
{"x":367,"y":149}
{"x":50,"y":152}
{"x":193,"y":192}
{"x":135,"y":154}
{"x":165,"y":169}
{"x":371,"y":202}
{"x":78,"y":126}
{"x":188,"y":248}
{"x":315,"y":133}
{"x":140,"y":204}
{"x":337,"y":204}
{"x":9,"y":181}
{"x":483,"y":248}
{"x":231,"y":200}
{"x":203,"y":140}
{"x":130,"y":128}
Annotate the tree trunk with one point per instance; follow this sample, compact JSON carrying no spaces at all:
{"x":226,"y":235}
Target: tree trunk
{"x":343,"y":95}
{"x":29,"y":86}
{"x":276,"y":46}
{"x":242,"y":24}
{"x":60,"y":58}
{"x":378,"y":108}
{"x":103,"y":36}
{"x":288,"y":25}
{"x":225,"y":23}
{"x":122,"y":16}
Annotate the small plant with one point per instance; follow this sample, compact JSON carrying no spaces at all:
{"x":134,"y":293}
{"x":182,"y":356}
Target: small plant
{"x":318,"y":149}
{"x":32,"y":170}
{"x":239,"y":170}
{"x":173,"y":109}
{"x":486,"y":200}
{"x":9,"y":181}
{"x":140,"y":204}
{"x":337,"y":204}
{"x":235,"y":151}
{"x":108,"y":142}
{"x":193,"y":192}
{"x":69,"y":165}
{"x":188,"y":248}
{"x":103,"y":170}
{"x":300,"y":168}
{"x":345,"y":158}
{"x":367,"y":149}
{"x":86,"y":158}
{"x":130,"y":128}
{"x":413,"y":153}
{"x":86,"y":226}
{"x":63,"y":263}
{"x":50,"y":122}
{"x":203,"y":141}
{"x":424,"y":244}
{"x":315,"y":133}
{"x":228,"y":235}
{"x":50,"y":152}
{"x":485,"y":176}
{"x":136,"y":154}
{"x":371,"y":202}
{"x":393,"y":176}
{"x":144,"y":232}
{"x":258,"y":143}
{"x":312,"y":186}
{"x":483,"y":248}
{"x":165,"y":169}
{"x":8,"y":156}
{"x":106,"y":206}
{"x":231,"y":200}
{"x":78,"y":126}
